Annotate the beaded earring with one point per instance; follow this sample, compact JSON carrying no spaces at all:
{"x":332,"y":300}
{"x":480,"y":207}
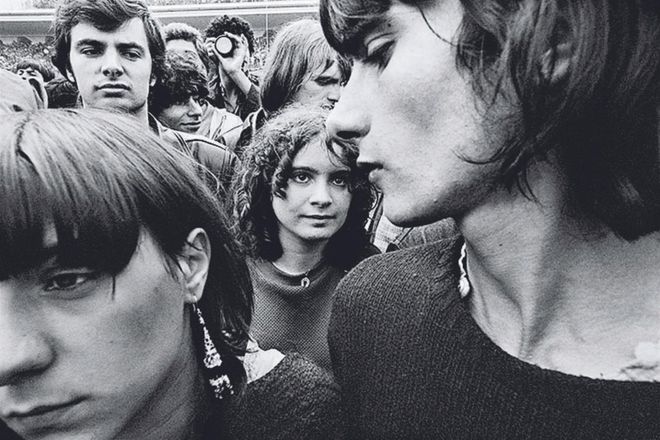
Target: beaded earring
{"x":218,"y":379}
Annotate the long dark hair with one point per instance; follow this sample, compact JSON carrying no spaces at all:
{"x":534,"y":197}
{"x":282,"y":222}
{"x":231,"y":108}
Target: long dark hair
{"x":99,"y":190}
{"x":264,"y":174}
{"x":601,"y":116}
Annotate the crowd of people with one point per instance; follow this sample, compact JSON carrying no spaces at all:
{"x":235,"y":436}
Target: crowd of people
{"x":432,"y":219}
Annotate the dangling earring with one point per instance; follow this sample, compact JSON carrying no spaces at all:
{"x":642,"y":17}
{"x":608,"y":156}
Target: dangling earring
{"x":218,"y":379}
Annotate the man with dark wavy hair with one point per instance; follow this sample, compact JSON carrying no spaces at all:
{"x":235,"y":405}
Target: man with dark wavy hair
{"x":231,"y":84}
{"x":534,"y":124}
{"x":114,"y":51}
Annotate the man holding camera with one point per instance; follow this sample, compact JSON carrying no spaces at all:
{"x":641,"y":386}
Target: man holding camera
{"x":230,"y":42}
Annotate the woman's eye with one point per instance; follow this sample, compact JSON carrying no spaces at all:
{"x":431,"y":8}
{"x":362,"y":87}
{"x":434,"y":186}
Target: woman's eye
{"x":300,"y":178}
{"x":339,"y":181}
{"x":67,"y":281}
{"x":380,"y":55}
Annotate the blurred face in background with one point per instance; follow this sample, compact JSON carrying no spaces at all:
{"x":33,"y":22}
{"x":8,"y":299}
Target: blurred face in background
{"x":322,"y":88}
{"x":185,"y":116}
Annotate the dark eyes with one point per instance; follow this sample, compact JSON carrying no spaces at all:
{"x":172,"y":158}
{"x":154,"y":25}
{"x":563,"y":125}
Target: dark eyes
{"x":300,"y":177}
{"x":67,"y":281}
{"x":340,"y":181}
{"x":380,"y":55}
{"x":326,"y":81}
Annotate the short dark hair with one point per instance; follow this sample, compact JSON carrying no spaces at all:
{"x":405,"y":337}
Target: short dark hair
{"x":601,"y":119}
{"x":264,"y":174}
{"x":233,"y":25}
{"x":182,"y":78}
{"x":101,"y":189}
{"x":183,"y":31}
{"x":45,"y":69}
{"x":108,"y":16}
{"x":298,"y":50}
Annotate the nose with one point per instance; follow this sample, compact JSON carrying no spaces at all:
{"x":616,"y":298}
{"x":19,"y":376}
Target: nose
{"x":348,"y":120}
{"x":194,"y":108}
{"x":334,"y":93}
{"x":112,"y":66}
{"x":321,"y":196}
{"x":24,"y":351}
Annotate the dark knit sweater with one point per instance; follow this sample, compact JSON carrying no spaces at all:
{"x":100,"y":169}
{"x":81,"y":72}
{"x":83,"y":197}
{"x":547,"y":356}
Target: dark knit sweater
{"x":289,"y":317}
{"x":296,"y":400}
{"x":412,"y":363}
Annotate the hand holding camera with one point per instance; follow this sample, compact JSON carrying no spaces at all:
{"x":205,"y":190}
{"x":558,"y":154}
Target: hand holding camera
{"x":229,"y":51}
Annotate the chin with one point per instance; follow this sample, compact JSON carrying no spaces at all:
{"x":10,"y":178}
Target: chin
{"x":410,"y":216}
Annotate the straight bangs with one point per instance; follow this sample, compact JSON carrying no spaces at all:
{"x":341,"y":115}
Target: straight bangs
{"x":56,"y":202}
{"x":345,"y":22}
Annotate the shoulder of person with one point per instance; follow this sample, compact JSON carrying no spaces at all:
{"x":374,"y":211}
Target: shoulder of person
{"x":398,"y":278}
{"x":206,"y":151}
{"x":295,"y":399}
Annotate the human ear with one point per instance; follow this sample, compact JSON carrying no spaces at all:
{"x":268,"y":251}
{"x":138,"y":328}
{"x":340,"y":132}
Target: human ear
{"x":194,"y":260}
{"x":556,"y":62}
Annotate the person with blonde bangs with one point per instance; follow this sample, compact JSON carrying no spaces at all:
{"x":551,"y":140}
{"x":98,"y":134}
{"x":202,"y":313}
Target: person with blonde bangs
{"x":124,"y":306}
{"x":534,"y":125}
{"x":299,"y":211}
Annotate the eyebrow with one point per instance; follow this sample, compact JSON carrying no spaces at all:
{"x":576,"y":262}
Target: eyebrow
{"x":97,"y":43}
{"x":353,"y":45}
{"x":343,"y":169}
{"x":89,"y":42}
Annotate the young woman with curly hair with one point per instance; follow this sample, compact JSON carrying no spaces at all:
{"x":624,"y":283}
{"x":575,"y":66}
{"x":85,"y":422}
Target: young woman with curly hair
{"x":300,"y":208}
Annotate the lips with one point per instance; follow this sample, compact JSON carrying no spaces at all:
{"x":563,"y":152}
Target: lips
{"x":113,"y":86}
{"x":320,"y":216}
{"x":40,"y":410}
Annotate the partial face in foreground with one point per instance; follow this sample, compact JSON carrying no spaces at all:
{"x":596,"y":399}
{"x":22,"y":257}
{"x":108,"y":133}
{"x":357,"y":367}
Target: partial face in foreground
{"x":86,"y":356}
{"x":414,"y":115}
{"x":112,"y":69}
{"x":317,"y":197}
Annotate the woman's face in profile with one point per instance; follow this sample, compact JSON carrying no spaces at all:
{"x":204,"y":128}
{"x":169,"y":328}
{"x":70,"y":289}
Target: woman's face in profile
{"x":88,"y":355}
{"x":317,"y":197}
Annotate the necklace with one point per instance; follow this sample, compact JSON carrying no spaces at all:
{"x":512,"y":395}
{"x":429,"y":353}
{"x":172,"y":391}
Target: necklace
{"x":464,"y":286}
{"x":304,"y":281}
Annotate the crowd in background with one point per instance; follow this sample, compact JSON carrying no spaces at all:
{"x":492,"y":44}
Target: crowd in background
{"x":410,"y":219}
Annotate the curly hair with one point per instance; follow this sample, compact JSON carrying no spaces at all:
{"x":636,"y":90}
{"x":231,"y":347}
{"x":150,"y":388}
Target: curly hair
{"x":265,"y":172}
{"x":183,"y":76}
{"x":233,"y":25}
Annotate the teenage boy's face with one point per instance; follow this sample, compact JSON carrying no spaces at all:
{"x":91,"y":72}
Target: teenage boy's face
{"x":112,"y":69}
{"x":414,"y":115}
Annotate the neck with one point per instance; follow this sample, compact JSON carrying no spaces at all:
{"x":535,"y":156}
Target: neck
{"x":178,"y":409}
{"x":298,"y":256}
{"x":555,"y":289}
